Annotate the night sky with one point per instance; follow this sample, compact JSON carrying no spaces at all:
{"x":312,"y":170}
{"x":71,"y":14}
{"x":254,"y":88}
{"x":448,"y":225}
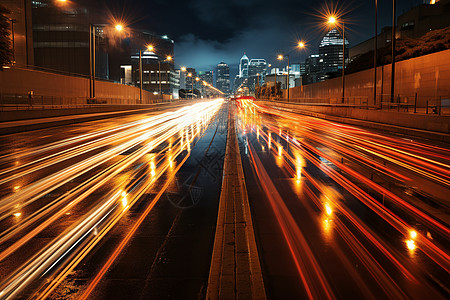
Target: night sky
{"x":209,"y":31}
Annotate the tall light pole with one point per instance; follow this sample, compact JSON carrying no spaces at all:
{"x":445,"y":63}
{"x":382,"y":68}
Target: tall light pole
{"x":281,"y":57}
{"x":149,"y":48}
{"x":12,"y":39}
{"x":276,"y":83}
{"x":343,"y":62}
{"x":183,"y":69}
{"x":196,"y":79}
{"x":119,"y":28}
{"x":332,"y":20}
{"x":91,"y":62}
{"x":301,"y":45}
{"x":393,"y":50}
{"x":168,"y":58}
{"x":375,"y":48}
{"x":140,"y":76}
{"x":192,"y":81}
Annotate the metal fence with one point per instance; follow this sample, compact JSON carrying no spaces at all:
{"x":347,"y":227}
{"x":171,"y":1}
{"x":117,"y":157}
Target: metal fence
{"x":439,"y":105}
{"x":28,"y":102}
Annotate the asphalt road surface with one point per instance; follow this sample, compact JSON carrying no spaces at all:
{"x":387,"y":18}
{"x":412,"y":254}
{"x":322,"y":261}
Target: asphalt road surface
{"x":126,"y":207}
{"x":344,"y":212}
{"x":84,"y":206}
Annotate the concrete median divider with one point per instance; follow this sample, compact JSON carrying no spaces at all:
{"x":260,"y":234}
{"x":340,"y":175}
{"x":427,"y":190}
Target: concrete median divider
{"x":235,"y":271}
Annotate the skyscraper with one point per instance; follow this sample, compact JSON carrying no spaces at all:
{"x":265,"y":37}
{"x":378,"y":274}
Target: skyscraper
{"x":312,"y":69}
{"x":257,"y":69}
{"x":223,"y":78}
{"x":330,"y":52}
{"x":206,"y":76}
{"x":243,"y":66}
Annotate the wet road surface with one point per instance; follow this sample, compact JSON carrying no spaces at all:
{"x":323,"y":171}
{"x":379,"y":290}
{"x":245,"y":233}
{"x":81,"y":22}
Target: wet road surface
{"x":71,"y":189}
{"x":341,"y":212}
{"x":126,"y":207}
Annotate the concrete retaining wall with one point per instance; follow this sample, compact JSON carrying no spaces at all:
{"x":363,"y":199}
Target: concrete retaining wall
{"x":429,"y":124}
{"x":428,"y":76}
{"x":14,"y":115}
{"x":19,"y":81}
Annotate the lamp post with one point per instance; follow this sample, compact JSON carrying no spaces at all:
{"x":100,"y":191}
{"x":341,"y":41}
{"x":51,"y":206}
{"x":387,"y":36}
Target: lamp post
{"x":12,"y":39}
{"x":91,"y":62}
{"x":149,"y":48}
{"x":168,"y":58}
{"x":140,"y":76}
{"x":196,"y":79}
{"x":192,"y":81}
{"x":152,"y":49}
{"x":393,"y":50}
{"x":183,"y":69}
{"x":375,"y":48}
{"x":281,"y":57}
{"x":301,"y":45}
{"x":119,"y":28}
{"x":332,"y":20}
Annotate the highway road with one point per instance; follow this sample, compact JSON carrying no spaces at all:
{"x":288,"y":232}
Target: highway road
{"x":341,"y":212}
{"x":68,"y":191}
{"x":126,"y":207}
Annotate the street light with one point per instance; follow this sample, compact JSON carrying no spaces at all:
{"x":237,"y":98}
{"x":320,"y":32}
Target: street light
{"x":302,"y":46}
{"x":192,"y":81}
{"x":270,"y":65}
{"x":196,"y":79}
{"x":92,"y":51}
{"x":333,"y":21}
{"x":149,"y":48}
{"x":393,"y":49}
{"x":375,"y":49}
{"x":281,"y":57}
{"x":168,"y":58}
{"x":12,"y":37}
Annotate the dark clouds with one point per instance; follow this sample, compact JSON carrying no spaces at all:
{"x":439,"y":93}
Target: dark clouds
{"x":209,"y":31}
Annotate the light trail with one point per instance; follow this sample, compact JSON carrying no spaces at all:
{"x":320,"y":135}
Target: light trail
{"x":350,"y":156}
{"x":111,"y":153}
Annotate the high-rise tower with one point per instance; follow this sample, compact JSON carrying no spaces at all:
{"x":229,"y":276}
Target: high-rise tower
{"x":223,"y":78}
{"x":243,"y":66}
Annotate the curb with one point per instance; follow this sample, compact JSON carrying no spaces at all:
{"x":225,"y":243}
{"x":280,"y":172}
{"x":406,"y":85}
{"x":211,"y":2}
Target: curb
{"x":235,"y":271}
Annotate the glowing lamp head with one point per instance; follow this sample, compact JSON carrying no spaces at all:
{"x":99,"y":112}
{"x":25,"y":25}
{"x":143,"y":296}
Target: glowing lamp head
{"x":183,"y":69}
{"x":119,"y":27}
{"x":301,"y":45}
{"x":410,"y":244}
{"x":169,"y":58}
{"x":197,"y":79}
{"x":328,"y":209}
{"x":280,"y":57}
{"x":150,"y":48}
{"x":270,"y":65}
{"x":331,"y":20}
{"x":189,"y":74}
